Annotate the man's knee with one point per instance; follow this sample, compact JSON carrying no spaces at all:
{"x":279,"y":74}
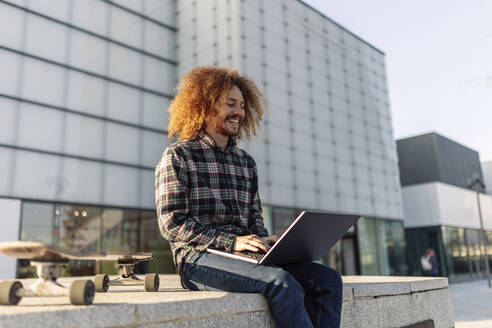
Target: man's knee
{"x":326,"y":280}
{"x":332,"y":277}
{"x":282,"y":282}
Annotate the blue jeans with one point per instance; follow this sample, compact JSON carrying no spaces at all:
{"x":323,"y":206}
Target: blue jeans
{"x":299,"y":295}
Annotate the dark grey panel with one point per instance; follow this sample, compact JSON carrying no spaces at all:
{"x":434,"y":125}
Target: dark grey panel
{"x":457,"y":163}
{"x":432,"y":157}
{"x":418,"y":159}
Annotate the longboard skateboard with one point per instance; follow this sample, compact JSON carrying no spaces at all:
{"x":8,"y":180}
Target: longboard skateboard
{"x":49,"y":260}
{"x":125,"y":263}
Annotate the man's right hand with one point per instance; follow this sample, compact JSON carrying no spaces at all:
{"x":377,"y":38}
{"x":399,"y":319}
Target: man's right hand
{"x":250,"y":243}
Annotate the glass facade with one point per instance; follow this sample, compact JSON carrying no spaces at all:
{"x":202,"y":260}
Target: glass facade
{"x":381,"y":246}
{"x":458,"y":250}
{"x":417,"y":241}
{"x":91,"y":229}
{"x":374,"y":246}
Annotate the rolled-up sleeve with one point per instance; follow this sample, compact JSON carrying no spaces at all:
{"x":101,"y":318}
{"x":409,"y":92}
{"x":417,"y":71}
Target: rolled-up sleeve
{"x":172,"y":204}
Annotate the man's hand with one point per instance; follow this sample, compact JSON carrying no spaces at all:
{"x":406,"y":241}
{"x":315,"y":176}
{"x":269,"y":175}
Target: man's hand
{"x":250,"y":243}
{"x":270,"y":240}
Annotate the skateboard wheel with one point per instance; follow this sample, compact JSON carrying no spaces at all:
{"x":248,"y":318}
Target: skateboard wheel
{"x":8,"y":291}
{"x":101,"y":283}
{"x":81,"y":292}
{"x":151,"y":282}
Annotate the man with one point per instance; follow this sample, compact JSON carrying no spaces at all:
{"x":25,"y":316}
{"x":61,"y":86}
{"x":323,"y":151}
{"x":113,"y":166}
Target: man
{"x":207,"y":196}
{"x":429,"y":263}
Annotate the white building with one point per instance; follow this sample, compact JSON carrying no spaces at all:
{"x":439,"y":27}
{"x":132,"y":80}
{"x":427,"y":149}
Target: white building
{"x":441,"y":211}
{"x":84,"y":118}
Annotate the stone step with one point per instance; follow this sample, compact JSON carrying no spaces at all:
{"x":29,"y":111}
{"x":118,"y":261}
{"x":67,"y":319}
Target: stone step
{"x":374,"y":302}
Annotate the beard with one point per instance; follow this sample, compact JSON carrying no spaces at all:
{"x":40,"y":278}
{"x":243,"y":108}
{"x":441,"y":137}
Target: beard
{"x":223,"y":129}
{"x":227,"y":129}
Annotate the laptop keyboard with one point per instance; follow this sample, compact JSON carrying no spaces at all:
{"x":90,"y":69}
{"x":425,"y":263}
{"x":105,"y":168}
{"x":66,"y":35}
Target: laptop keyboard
{"x":255,"y":255}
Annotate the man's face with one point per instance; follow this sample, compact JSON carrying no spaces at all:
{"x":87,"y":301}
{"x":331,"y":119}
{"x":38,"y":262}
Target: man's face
{"x":228,"y":115}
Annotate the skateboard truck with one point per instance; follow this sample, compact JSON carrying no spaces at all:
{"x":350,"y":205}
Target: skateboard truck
{"x":81,"y":292}
{"x":125,"y":266}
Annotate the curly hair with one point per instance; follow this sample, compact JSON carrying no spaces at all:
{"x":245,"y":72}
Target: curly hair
{"x":204,"y":87}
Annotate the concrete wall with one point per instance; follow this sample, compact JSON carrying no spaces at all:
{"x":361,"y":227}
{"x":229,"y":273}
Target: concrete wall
{"x":437,"y":203}
{"x":10,"y":210}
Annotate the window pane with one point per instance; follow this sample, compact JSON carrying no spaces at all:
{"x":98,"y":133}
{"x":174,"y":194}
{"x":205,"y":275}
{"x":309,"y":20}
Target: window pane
{"x":121,"y":186}
{"x":123,"y":103}
{"x":395,"y":245}
{"x":91,"y":15}
{"x":147,"y":189}
{"x":8,"y":123}
{"x":159,"y":40}
{"x":159,"y":76}
{"x":282,"y":218}
{"x":130,"y":4}
{"x":43,"y":82}
{"x":11,"y":26}
{"x":372,"y":250}
{"x":84,"y":136}
{"x":126,"y":27}
{"x":152,"y":241}
{"x":81,"y":181}
{"x":475,"y":254}
{"x":153,"y":146}
{"x":122,"y":143}
{"x":77,"y":227}
{"x":6,"y":159}
{"x":37,"y":222}
{"x":87,"y":52}
{"x":46,"y":39}
{"x":155,"y":113}
{"x":124,"y":64}
{"x":120,"y":230}
{"x":457,"y":252}
{"x":162,"y":10}
{"x":85,"y":93}
{"x":9,"y":66}
{"x":40,"y":128}
{"x":36,"y":175}
{"x":54,"y":8}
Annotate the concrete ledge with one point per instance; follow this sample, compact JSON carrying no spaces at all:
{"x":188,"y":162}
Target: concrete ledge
{"x":368,"y":302}
{"x":397,"y":302}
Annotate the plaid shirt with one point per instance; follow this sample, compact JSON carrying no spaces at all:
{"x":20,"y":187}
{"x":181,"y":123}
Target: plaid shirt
{"x":205,"y":197}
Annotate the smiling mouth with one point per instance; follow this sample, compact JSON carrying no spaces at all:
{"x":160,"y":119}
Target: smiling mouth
{"x":233,"y":121}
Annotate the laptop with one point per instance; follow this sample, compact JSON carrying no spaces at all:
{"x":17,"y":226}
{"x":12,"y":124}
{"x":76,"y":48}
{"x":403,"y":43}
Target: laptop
{"x":308,"y":238}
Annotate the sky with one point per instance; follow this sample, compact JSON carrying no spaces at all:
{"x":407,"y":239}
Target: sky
{"x":438,"y":61}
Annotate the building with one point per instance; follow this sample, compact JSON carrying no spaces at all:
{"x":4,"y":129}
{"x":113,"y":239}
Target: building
{"x":440,"y":209}
{"x":83,"y":92}
{"x":487,"y":176}
{"x":89,"y":84}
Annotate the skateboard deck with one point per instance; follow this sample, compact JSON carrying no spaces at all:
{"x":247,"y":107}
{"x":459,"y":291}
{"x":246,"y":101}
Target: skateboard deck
{"x":34,"y":250}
